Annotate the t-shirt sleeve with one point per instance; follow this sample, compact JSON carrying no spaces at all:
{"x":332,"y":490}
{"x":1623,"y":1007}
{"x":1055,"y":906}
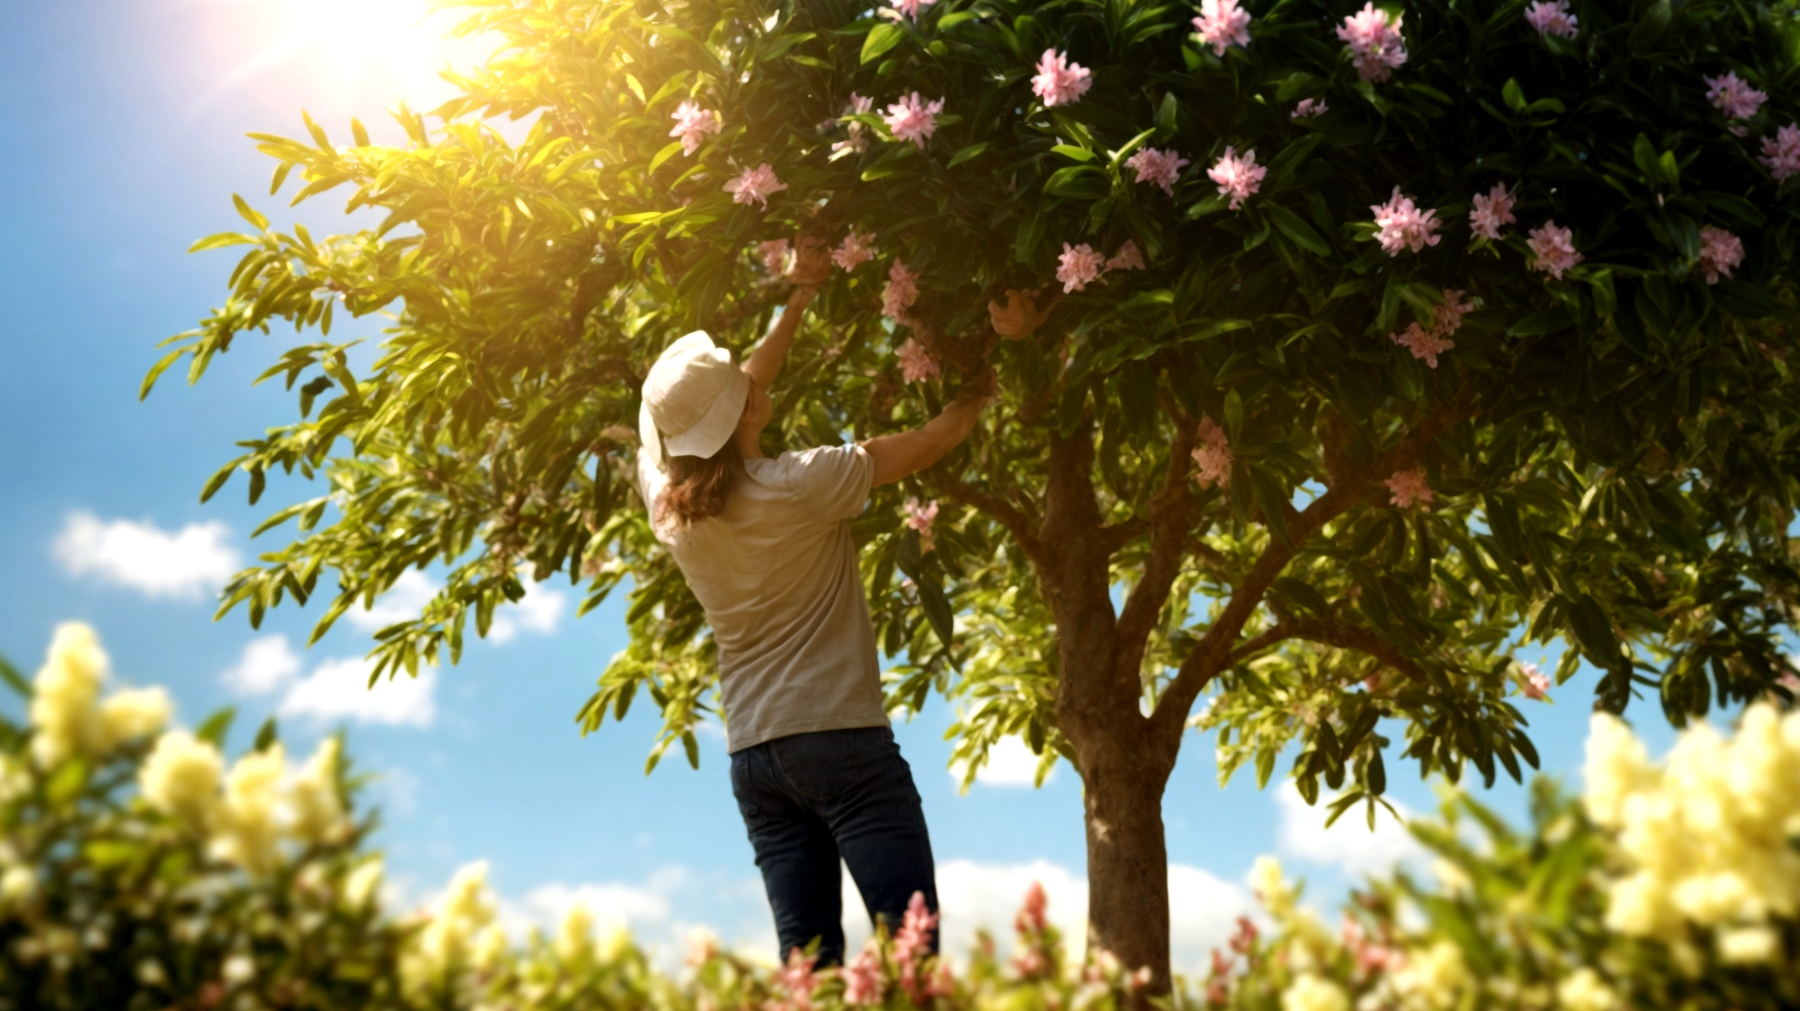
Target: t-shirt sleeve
{"x":833,"y":481}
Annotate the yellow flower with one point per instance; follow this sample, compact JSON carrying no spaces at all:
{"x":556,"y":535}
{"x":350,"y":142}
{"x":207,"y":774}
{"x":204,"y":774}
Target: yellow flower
{"x":575,"y":938}
{"x":1310,"y":993}
{"x":129,"y":715}
{"x":318,"y":810}
{"x":1267,"y":881}
{"x":1749,"y":946}
{"x":15,"y":779}
{"x":490,"y":949}
{"x":17,"y":885}
{"x":181,"y":778}
{"x":445,"y":945}
{"x":1433,"y":978}
{"x":1584,"y":990}
{"x":1617,"y":767}
{"x":360,"y":884}
{"x":65,"y":694}
{"x":249,"y":823}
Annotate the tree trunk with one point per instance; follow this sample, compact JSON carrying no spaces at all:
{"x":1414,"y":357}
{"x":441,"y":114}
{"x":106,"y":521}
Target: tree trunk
{"x":1127,"y":858}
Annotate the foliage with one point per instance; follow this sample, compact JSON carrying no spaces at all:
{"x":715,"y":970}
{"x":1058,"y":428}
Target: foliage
{"x":1604,"y":455}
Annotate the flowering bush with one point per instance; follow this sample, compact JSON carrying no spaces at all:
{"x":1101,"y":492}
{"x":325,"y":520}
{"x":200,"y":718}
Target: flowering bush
{"x":1487,"y":305}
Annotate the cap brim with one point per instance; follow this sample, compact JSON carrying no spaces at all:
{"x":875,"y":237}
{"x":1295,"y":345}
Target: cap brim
{"x":714,"y":428}
{"x":651,"y":441}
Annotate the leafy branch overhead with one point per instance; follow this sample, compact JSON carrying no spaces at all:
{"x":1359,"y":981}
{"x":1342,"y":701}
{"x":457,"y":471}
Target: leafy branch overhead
{"x":1388,"y":342}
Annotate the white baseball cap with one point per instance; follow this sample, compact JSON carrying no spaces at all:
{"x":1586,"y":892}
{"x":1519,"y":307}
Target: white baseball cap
{"x":693,"y":398}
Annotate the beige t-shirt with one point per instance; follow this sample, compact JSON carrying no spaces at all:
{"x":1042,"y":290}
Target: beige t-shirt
{"x":776,"y":573}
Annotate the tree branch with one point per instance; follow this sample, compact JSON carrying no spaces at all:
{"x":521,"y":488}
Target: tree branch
{"x":1213,"y":652}
{"x":1171,"y":516}
{"x":1008,"y":515}
{"x":1329,"y":633}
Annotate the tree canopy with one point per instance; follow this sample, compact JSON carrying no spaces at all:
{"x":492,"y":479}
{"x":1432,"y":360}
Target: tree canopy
{"x":1390,"y":341}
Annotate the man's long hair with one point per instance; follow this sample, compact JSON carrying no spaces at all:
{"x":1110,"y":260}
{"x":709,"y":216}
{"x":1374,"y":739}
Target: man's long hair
{"x":699,"y":487}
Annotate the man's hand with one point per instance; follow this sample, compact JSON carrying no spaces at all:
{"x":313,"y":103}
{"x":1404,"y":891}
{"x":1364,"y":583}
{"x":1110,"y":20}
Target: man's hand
{"x":1020,"y":315}
{"x":812,"y":262}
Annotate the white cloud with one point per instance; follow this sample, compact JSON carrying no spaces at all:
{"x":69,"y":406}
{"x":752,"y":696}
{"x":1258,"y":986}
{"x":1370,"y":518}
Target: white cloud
{"x":1347,"y":845}
{"x":540,"y":610}
{"x":340,"y":689}
{"x":268,"y":663}
{"x":1010,"y":764}
{"x":187,"y":564}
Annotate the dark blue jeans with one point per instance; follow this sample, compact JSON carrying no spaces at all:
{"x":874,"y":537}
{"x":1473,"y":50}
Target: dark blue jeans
{"x":810,"y":799}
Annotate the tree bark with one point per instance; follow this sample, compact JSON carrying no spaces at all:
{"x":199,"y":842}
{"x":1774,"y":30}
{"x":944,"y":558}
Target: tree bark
{"x":1127,"y":858}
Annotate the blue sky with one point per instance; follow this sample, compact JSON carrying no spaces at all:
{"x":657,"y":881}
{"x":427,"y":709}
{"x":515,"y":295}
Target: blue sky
{"x":124,"y":137}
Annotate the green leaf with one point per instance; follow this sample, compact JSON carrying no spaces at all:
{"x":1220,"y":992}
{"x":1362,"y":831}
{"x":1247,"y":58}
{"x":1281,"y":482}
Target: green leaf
{"x":1080,"y":182}
{"x":1294,"y":227}
{"x":1541,"y":321}
{"x":937,"y":610}
{"x":1513,"y":95}
{"x":972,"y":151}
{"x":1077,"y":153}
{"x":250,"y":214}
{"x":668,"y":151}
{"x":1234,"y":416}
{"x":880,"y":39}
{"x":1216,"y":328}
{"x":217,"y":725}
{"x":1271,"y":498}
{"x":266,"y":735}
{"x":14,"y":679}
{"x":1165,"y":115}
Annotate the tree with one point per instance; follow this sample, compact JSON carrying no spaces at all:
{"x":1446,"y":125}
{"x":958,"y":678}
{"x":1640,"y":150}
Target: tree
{"x":1257,"y":465}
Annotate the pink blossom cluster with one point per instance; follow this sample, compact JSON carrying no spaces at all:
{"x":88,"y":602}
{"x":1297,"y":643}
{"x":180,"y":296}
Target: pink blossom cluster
{"x":913,"y":119}
{"x":1371,"y":955}
{"x":1733,"y":97}
{"x":1408,"y":488}
{"x":1307,"y":108}
{"x":1720,"y":251}
{"x":1375,"y":44}
{"x":911,"y":8}
{"x":1533,"y":682}
{"x":1059,"y":82}
{"x":854,"y":251}
{"x":1212,"y":454}
{"x":1222,"y":23}
{"x":859,"y":139}
{"x":756,"y":184}
{"x":901,"y":291}
{"x":1552,"y":18}
{"x":773,"y":254}
{"x":1031,"y":959}
{"x":862,"y":976}
{"x":692,"y":124}
{"x":1492,"y":212}
{"x":921,"y":516}
{"x":798,"y":980}
{"x":1159,"y":167}
{"x":1079,"y":266}
{"x":912,"y":945}
{"x":1127,"y":258}
{"x":1402,"y":226}
{"x":1427,"y":344}
{"x":1238,"y":177}
{"x":916,"y":364}
{"x":1781,"y":153}
{"x":1553,"y":249}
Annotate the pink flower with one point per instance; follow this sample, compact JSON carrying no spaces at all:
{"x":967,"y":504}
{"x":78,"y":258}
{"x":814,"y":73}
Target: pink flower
{"x":1080,"y":265}
{"x":1245,"y":938}
{"x":1212,"y":454}
{"x":1552,"y":18}
{"x":1403,"y":226}
{"x":1127,"y":258}
{"x":859,"y":140}
{"x":1719,"y":252}
{"x":902,"y":289}
{"x":692,"y":124}
{"x":862,"y":977}
{"x":916,"y":363}
{"x":1426,"y":344}
{"x":1307,"y":108}
{"x":1159,"y":167}
{"x":1553,"y":249}
{"x":913,"y":119}
{"x":1059,"y":82}
{"x":798,"y":979}
{"x":1535,"y":684}
{"x":1031,"y":914}
{"x":911,"y":8}
{"x":1781,"y":153}
{"x":1733,"y":97}
{"x":853,"y":251}
{"x":1374,"y":42}
{"x":755,"y":184}
{"x":1492,"y":211}
{"x":913,"y":940}
{"x":1222,"y":23}
{"x":773,"y":254}
{"x":1409,"y":488}
{"x":1238,"y":178}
